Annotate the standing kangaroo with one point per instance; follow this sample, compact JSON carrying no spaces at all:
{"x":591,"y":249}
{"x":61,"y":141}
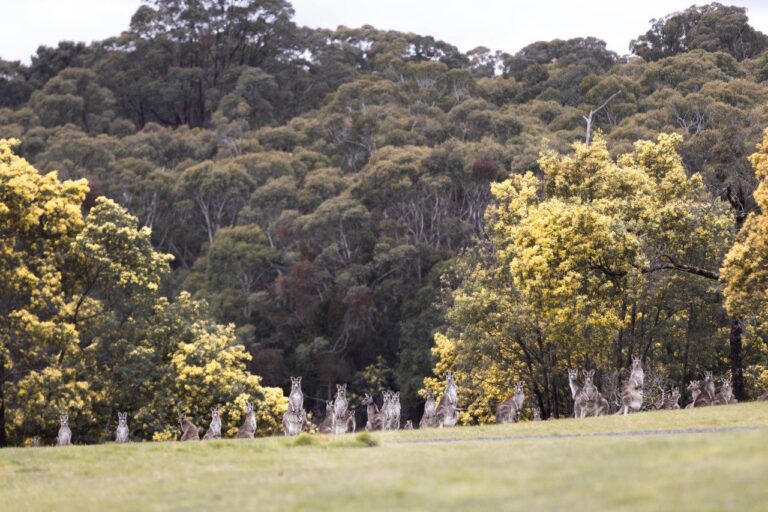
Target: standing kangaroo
{"x":590,"y":402}
{"x":509,"y":410}
{"x":64,"y":438}
{"x":214,"y":429}
{"x":248,"y":429}
{"x":695,"y":390}
{"x":294,"y":420}
{"x":430,"y":410}
{"x":121,"y":434}
{"x":725,"y":395}
{"x":386,"y":409}
{"x":340,"y":412}
{"x":573,"y":382}
{"x":296,"y":398}
{"x":375,"y":417}
{"x":189,"y":431}
{"x":632,"y":394}
{"x":394,"y":411}
{"x":447,"y":413}
{"x":326,"y":426}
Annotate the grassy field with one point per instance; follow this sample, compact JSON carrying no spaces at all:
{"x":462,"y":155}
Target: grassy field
{"x":703,"y":459}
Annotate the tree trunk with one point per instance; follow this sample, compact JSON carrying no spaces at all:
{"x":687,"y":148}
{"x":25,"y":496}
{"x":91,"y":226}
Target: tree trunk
{"x":3,"y":439}
{"x":740,"y":211}
{"x":737,"y":359}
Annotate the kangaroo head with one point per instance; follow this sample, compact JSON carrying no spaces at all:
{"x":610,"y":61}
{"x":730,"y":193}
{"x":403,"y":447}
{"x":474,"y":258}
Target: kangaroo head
{"x":536,"y":413}
{"x":449,"y":377}
{"x":396,"y":397}
{"x":182,"y":418}
{"x":341,"y":390}
{"x":518,"y":387}
{"x":367,"y":399}
{"x":430,"y":395}
{"x":693,"y":386}
{"x":707,"y":376}
{"x":295,"y":383}
{"x":637,"y":363}
{"x":675,"y":393}
{"x":214,"y":412}
{"x":726,"y":385}
{"x":589,"y":376}
{"x":64,"y":420}
{"x":249,"y":407}
{"x":329,"y":407}
{"x":573,"y":373}
{"x":122,"y":418}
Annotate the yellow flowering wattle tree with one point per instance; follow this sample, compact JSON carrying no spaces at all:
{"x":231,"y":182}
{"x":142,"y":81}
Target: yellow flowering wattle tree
{"x":593,"y":261}
{"x":84,"y":329}
{"x":745,"y":275}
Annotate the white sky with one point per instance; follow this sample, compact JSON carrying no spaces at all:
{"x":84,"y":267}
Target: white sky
{"x":498,"y":24}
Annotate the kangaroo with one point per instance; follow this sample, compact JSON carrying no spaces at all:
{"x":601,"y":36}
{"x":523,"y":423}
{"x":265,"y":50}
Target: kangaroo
{"x":709,"y":386}
{"x":536,"y":414}
{"x":673,"y":401}
{"x":447,"y":413}
{"x":296,"y":398}
{"x":121,"y":434}
{"x":326,"y":426}
{"x":375,"y":417}
{"x":386,"y":410}
{"x":509,"y":410}
{"x":64,"y":438}
{"x":637,"y":375}
{"x":350,"y":425}
{"x":707,"y":396}
{"x":408,"y":425}
{"x":573,"y":382}
{"x":725,"y":396}
{"x":340,"y":412}
{"x":590,"y":401}
{"x":394,"y":411}
{"x":294,"y":420}
{"x":36,"y":443}
{"x":632,"y":394}
{"x":214,"y":430}
{"x":248,"y":429}
{"x":695,"y":390}
{"x":430,"y":410}
{"x":189,"y":431}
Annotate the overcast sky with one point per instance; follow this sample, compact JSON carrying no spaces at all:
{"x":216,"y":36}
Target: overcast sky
{"x":498,"y":24}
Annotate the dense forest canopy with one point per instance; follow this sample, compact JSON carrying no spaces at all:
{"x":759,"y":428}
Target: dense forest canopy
{"x":325,"y":191}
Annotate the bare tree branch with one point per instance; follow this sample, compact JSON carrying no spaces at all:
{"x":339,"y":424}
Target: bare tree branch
{"x":588,"y":118}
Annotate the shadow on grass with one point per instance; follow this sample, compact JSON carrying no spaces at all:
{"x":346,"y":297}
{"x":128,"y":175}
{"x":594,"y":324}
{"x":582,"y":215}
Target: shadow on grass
{"x":361,"y":440}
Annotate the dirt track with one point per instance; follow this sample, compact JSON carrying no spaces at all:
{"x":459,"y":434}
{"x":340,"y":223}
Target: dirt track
{"x":638,"y":433}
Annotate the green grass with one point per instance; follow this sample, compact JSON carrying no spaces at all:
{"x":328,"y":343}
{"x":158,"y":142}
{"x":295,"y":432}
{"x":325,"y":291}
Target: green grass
{"x":506,"y":467}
